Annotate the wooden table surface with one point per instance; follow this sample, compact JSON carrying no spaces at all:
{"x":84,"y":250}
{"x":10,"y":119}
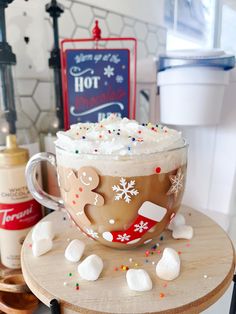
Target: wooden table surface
{"x":207,"y":268}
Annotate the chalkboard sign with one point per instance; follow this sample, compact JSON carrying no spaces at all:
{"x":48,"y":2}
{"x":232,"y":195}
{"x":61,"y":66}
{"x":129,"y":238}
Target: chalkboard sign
{"x":97,"y":84}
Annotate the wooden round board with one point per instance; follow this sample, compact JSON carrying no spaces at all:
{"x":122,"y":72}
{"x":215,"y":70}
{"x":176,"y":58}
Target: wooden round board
{"x":206,"y":271}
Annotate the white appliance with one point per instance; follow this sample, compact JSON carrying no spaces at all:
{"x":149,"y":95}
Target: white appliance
{"x":192,"y":85}
{"x":211,"y":181}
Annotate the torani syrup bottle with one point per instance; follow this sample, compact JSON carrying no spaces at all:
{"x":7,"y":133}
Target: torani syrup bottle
{"x":18,"y":210}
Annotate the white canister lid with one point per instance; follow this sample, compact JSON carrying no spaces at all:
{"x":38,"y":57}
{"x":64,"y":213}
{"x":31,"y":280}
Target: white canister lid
{"x":196,"y":58}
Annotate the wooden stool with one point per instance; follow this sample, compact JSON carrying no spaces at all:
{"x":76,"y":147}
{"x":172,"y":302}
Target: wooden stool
{"x":207,"y":269}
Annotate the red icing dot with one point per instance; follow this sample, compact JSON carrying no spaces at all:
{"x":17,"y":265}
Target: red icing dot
{"x":77,"y":195}
{"x":80,"y":189}
{"x":74,"y":202}
{"x":158,"y":169}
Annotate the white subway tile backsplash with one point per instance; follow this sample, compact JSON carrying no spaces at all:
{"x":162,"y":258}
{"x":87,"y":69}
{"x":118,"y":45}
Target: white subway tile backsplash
{"x":141,"y":50}
{"x":81,"y":33}
{"x":128,"y":31}
{"x":49,"y":36}
{"x":29,"y":19}
{"x":25,"y":87}
{"x":161,"y":35}
{"x":99,"y":13}
{"x":83,"y":14}
{"x":29,"y":106}
{"x":140,"y":30}
{"x":65,"y":3}
{"x":129,"y":21}
{"x":115,"y":23}
{"x":43,"y":95}
{"x":67,"y":24}
{"x":152,"y":43}
{"x":152,"y":28}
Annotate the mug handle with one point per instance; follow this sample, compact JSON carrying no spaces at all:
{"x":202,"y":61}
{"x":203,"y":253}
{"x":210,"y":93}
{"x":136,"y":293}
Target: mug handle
{"x":45,"y":199}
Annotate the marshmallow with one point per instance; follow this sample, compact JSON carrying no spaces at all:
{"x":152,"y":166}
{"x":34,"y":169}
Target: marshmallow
{"x":176,"y":221}
{"x":168,"y":268}
{"x":74,"y":250}
{"x":41,"y":246}
{"x":138,"y":280}
{"x":91,"y":267}
{"x":43,"y":230}
{"x":182,"y":232}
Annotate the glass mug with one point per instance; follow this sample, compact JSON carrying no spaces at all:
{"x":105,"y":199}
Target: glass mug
{"x":120,"y":201}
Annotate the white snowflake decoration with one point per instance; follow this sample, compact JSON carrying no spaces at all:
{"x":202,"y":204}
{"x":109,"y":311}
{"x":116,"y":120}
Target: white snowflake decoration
{"x":141,"y":226}
{"x":119,"y":79}
{"x":92,"y":233}
{"x":123,"y":237}
{"x":176,"y":183}
{"x":125,"y":190}
{"x":108,"y":71}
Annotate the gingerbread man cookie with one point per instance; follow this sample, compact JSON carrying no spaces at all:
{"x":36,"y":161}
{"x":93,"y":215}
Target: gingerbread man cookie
{"x":81,"y":193}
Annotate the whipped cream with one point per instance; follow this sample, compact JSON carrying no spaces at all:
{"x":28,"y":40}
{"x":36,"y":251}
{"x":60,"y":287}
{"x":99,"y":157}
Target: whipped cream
{"x":118,"y":137}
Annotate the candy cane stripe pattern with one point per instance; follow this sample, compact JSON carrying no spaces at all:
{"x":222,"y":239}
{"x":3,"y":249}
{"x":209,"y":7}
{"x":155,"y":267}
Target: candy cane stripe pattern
{"x":149,"y":214}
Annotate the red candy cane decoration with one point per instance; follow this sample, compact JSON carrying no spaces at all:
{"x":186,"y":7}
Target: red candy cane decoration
{"x":149,"y":215}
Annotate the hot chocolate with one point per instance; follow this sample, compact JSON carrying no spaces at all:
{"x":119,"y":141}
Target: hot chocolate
{"x":121,"y":182}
